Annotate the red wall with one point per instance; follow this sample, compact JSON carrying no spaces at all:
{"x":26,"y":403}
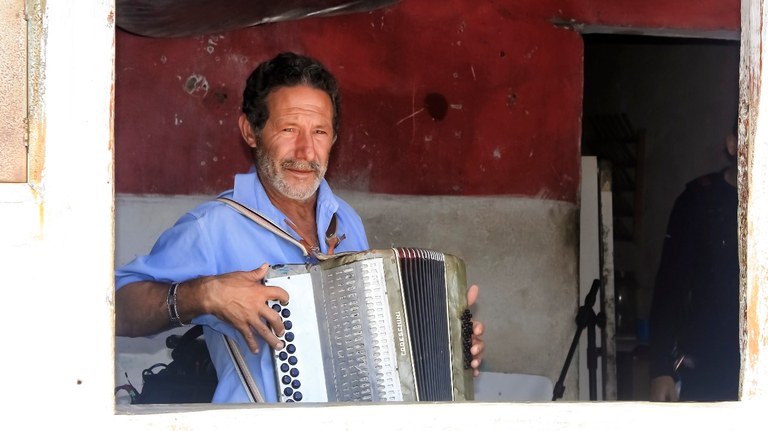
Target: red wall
{"x":454,"y":97}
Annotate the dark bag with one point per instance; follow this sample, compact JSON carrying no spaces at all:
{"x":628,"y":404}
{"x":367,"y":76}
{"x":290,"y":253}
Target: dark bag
{"x":189,"y":378}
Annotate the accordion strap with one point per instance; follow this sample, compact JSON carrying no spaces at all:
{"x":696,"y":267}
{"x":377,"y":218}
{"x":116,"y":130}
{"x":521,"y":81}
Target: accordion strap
{"x":241,"y":367}
{"x":268,"y":224}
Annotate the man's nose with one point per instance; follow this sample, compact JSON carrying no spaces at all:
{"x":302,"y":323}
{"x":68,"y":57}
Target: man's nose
{"x":305,"y":146}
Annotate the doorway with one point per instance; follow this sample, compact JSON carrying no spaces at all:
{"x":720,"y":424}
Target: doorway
{"x":658,"y":109}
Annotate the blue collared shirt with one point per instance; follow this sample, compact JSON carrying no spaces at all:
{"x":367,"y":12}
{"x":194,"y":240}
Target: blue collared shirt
{"x":215,"y":239}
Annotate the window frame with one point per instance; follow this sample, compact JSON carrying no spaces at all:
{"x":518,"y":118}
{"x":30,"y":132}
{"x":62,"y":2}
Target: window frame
{"x":78,"y":286}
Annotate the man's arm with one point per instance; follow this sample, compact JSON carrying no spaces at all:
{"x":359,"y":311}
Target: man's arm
{"x":141,"y":310}
{"x":238,"y":298}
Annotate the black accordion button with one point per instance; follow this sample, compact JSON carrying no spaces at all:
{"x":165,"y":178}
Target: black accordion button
{"x":294,"y":372}
{"x":289,"y":336}
{"x":288,"y":391}
{"x":286,"y":380}
{"x":285,"y":367}
{"x":283,"y":356}
{"x":466,"y":336}
{"x":298,"y":396}
{"x":286,"y":313}
{"x":290,"y":348}
{"x":276,"y":307}
{"x":292,"y":360}
{"x":296,"y":384}
{"x":288,"y":324}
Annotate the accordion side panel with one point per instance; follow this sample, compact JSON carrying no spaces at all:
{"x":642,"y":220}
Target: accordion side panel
{"x":456,"y":285}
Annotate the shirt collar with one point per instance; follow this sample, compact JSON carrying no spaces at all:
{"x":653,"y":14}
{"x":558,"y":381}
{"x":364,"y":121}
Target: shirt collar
{"x":250,"y":192}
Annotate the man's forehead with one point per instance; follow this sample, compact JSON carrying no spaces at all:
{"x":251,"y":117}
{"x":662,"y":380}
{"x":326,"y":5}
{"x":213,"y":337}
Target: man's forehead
{"x":298,"y":101}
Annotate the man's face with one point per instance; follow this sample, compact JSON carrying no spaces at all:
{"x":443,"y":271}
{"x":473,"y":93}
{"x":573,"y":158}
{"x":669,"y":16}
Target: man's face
{"x":295,"y":143}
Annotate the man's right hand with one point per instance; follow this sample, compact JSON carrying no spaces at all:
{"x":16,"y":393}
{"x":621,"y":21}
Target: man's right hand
{"x":240,"y":299}
{"x":663,"y":389}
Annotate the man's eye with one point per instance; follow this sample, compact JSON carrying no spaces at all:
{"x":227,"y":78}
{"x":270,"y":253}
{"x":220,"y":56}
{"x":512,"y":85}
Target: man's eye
{"x":288,"y":129}
{"x":321,"y":132}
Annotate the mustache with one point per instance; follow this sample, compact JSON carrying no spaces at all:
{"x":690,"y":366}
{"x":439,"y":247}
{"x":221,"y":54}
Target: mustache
{"x":302,"y":165}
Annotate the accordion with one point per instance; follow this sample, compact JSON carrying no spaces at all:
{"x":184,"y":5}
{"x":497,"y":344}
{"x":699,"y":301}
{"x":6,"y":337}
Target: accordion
{"x":377,"y":325}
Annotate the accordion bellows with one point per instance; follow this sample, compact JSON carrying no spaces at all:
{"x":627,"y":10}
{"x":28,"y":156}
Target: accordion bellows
{"x":378,"y":325}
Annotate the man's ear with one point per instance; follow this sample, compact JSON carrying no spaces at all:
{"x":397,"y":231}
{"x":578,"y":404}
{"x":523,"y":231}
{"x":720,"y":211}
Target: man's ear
{"x":247,"y":131}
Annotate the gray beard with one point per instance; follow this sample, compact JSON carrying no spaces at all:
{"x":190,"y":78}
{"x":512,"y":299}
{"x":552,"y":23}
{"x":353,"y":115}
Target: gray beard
{"x":272,"y":172}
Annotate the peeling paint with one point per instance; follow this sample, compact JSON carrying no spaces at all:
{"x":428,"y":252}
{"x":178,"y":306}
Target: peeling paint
{"x":750,"y":163}
{"x":196,"y":84}
{"x":213,"y":41}
{"x":36,"y":121}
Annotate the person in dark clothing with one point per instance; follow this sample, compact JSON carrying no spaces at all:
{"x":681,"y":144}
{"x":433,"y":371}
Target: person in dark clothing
{"x":694,"y":319}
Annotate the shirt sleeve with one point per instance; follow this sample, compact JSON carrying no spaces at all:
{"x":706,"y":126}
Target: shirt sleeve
{"x":182,"y":252}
